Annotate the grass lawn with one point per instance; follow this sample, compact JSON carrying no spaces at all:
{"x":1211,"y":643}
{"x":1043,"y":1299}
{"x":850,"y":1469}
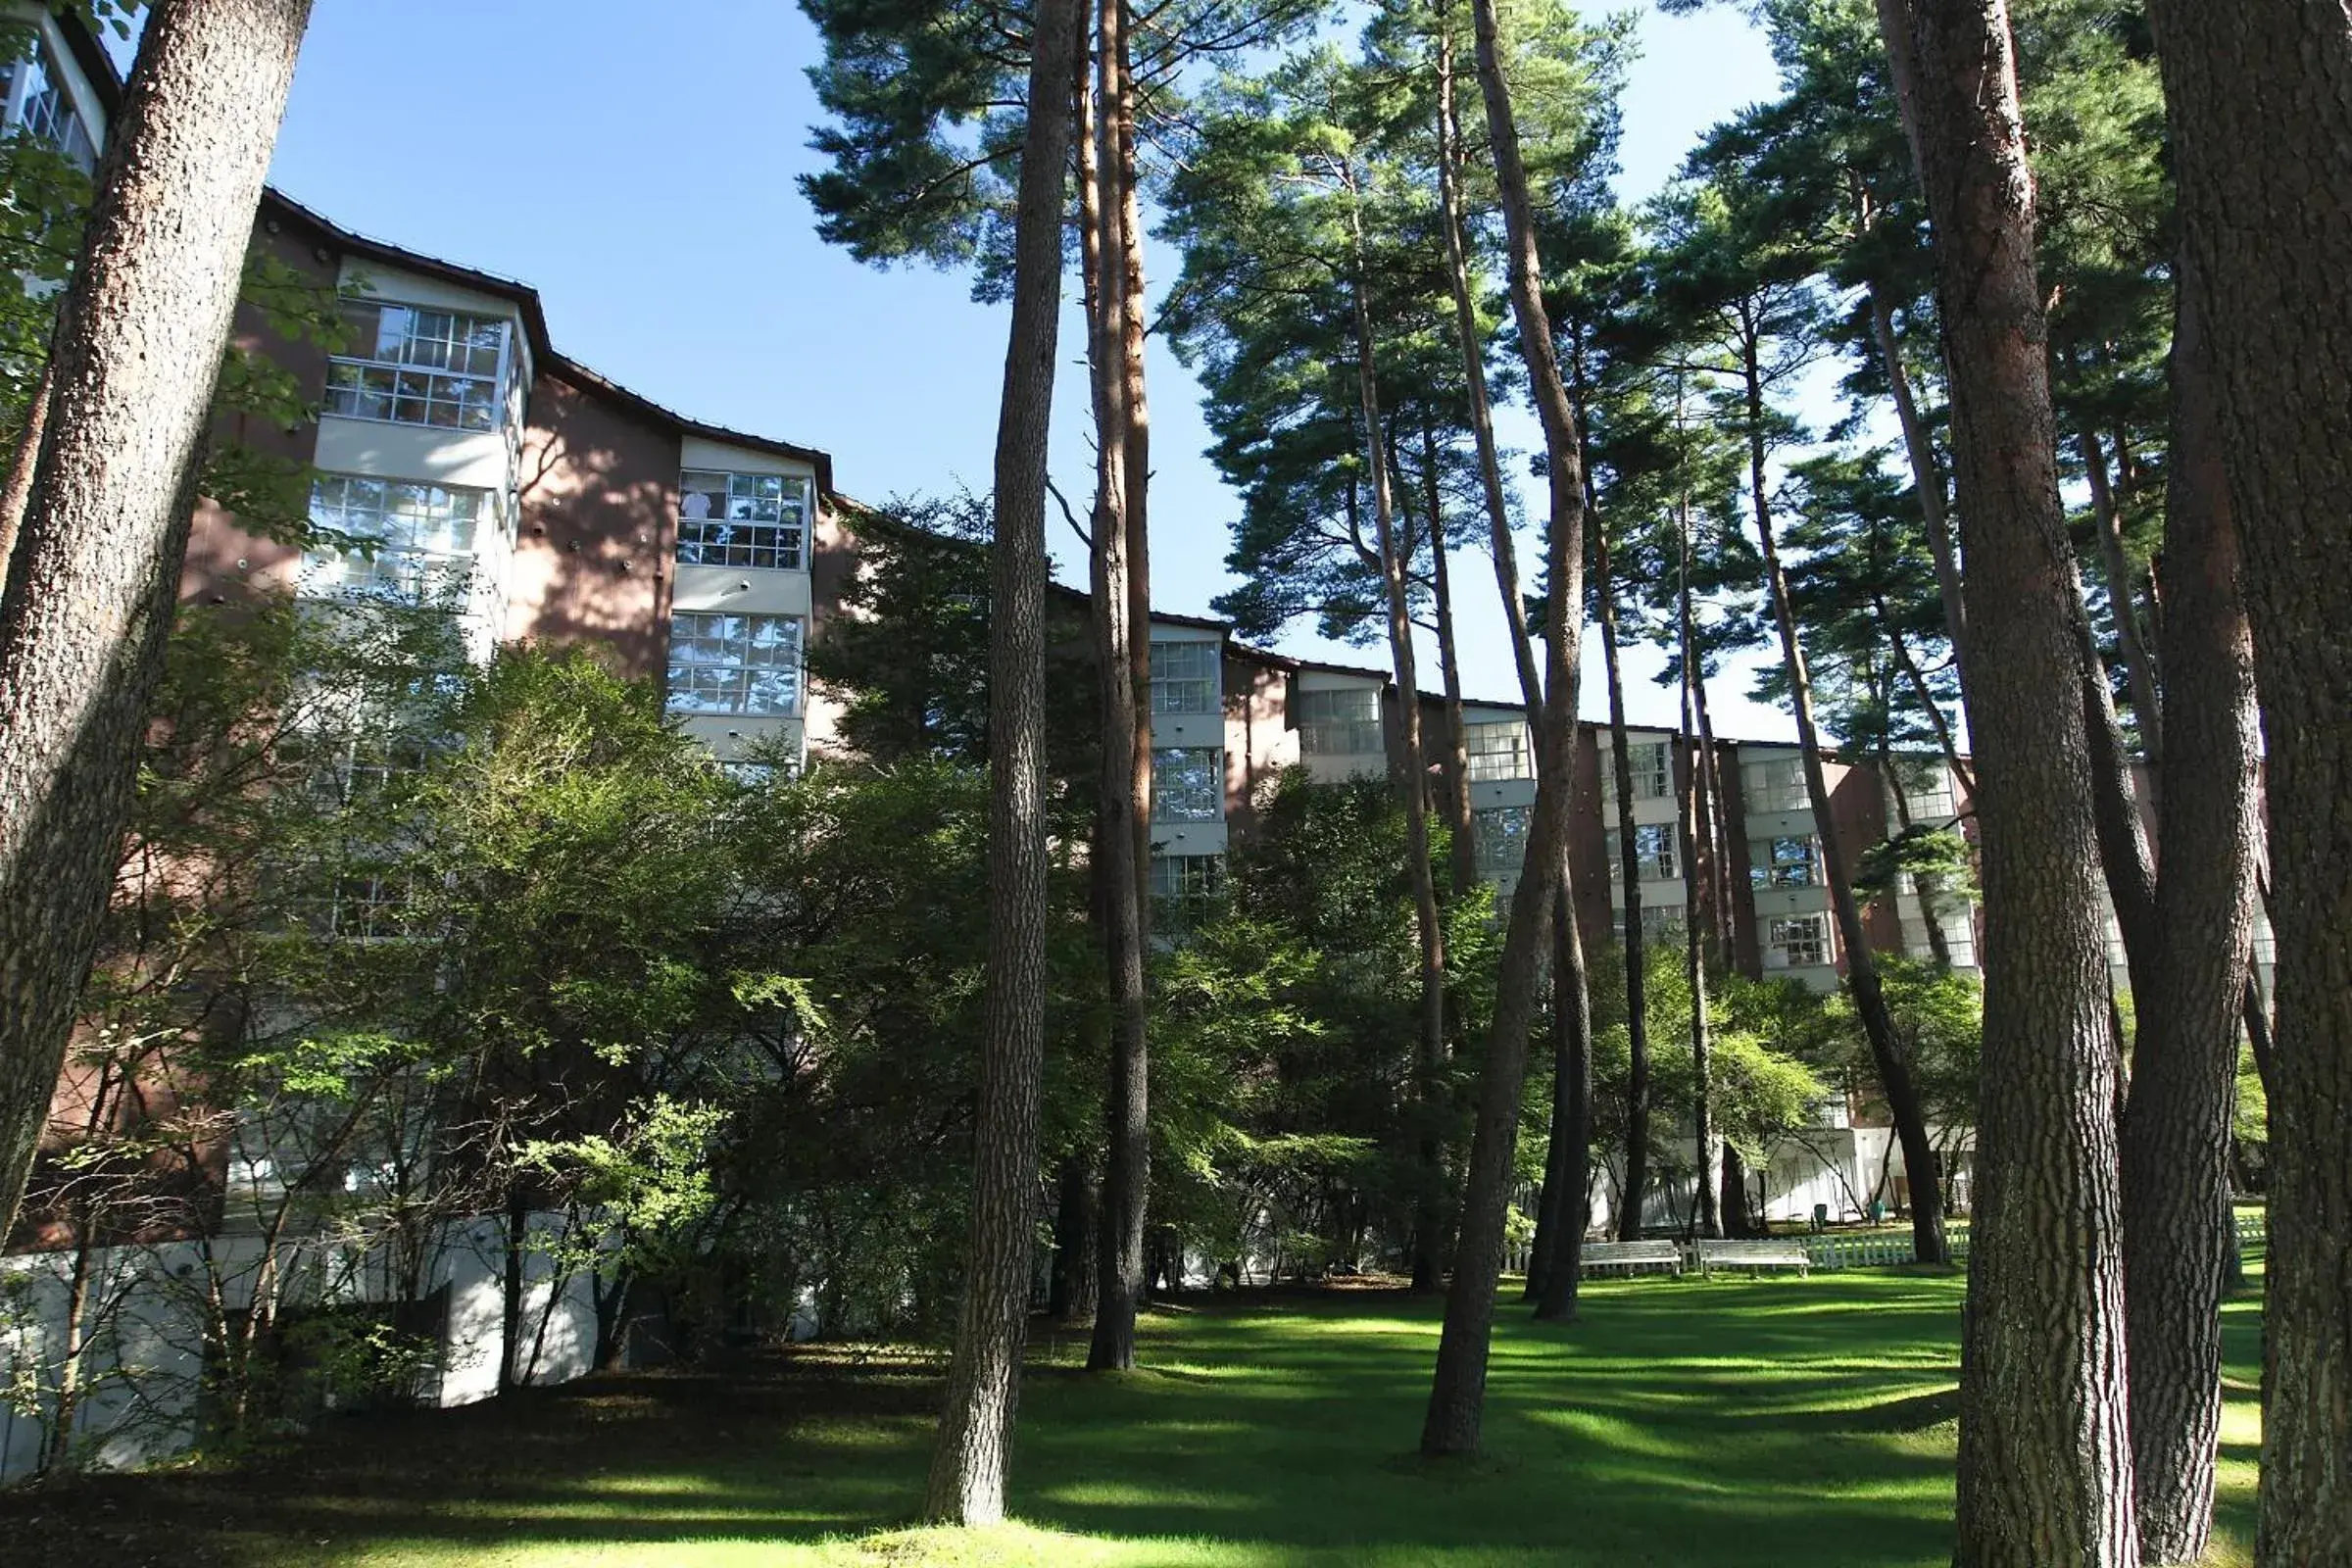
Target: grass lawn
{"x":1726,"y":1423}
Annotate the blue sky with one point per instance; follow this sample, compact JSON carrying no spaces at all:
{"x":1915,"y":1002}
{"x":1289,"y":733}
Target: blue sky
{"x":636,"y":165}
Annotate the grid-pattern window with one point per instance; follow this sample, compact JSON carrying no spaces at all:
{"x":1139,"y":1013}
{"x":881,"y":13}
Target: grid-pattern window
{"x":1652,"y":765}
{"x":1775,"y":785}
{"x":1500,"y":835}
{"x":2115,"y":942}
{"x":1187,"y":784}
{"x":412,"y":365}
{"x":423,"y":537}
{"x":1189,"y":878}
{"x":1927,"y":786}
{"x":360,"y":909}
{"x":1344,"y":722}
{"x":1184,"y":676}
{"x":2266,"y":942}
{"x":1789,"y":863}
{"x":742,"y":519}
{"x":1499,"y":751}
{"x":1653,"y":852}
{"x":1959,"y":929}
{"x":35,"y":101}
{"x":1796,"y":942}
{"x":1660,"y":921}
{"x":721,"y":664}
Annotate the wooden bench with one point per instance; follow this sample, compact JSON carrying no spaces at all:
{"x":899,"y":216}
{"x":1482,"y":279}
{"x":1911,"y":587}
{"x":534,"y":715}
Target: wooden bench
{"x":1633,"y":1255}
{"x":1712,"y":1255}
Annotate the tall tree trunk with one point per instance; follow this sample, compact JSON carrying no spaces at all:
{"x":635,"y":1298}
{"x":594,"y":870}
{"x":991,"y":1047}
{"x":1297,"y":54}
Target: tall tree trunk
{"x":2046,"y":1459}
{"x":1632,"y":938}
{"x":2260,"y":97}
{"x":2123,"y":599}
{"x":1077,"y":1218}
{"x":17,"y":490}
{"x":1695,"y":949}
{"x":1429,"y":1224}
{"x":514,"y":1252}
{"x":1568,"y":1163}
{"x":1124,"y":834}
{"x":1721,"y":872}
{"x":1926,"y":474}
{"x":1887,"y":1053}
{"x":1457,"y":1393}
{"x":1474,"y":382}
{"x":2125,"y":858}
{"x":976,"y":1432}
{"x":95,"y":572}
{"x":2179,"y":1243}
{"x":1135,"y":412}
{"x":1917,"y":680}
{"x":1458,"y":735}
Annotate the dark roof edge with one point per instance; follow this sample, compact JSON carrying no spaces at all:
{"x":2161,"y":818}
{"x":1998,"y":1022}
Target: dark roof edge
{"x":89,"y":53}
{"x":276,"y":205}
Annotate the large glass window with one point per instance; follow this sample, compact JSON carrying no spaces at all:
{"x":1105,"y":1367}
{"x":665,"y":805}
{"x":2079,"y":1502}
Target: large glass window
{"x":422,"y":534}
{"x":412,"y":365}
{"x":1790,"y":862}
{"x":742,"y":519}
{"x":1343,"y":722}
{"x":1776,"y":785}
{"x":1499,"y":833}
{"x":1796,"y":942}
{"x":1187,"y":784}
{"x":1927,"y":786}
{"x":32,"y":97}
{"x":1652,"y":766}
{"x":1184,"y":676}
{"x":720,"y":663}
{"x":1191,"y":878}
{"x":1498,"y":750}
{"x":1653,"y":852}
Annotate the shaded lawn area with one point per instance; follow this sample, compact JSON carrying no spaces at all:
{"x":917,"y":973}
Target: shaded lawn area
{"x":1681,"y":1422}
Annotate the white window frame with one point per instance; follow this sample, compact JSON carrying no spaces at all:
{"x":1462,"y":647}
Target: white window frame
{"x":1178,"y":690}
{"x":1499,"y":838}
{"x":1330,"y":723}
{"x":1769,"y":868}
{"x":34,"y":79}
{"x":737,"y":634}
{"x":1187,"y":879}
{"x":1808,"y":947}
{"x":419,"y":552}
{"x":1774,"y":784}
{"x":1657,"y":849}
{"x":742,"y":537}
{"x":413,"y":380}
{"x":1185,"y":803}
{"x":1498,"y":752}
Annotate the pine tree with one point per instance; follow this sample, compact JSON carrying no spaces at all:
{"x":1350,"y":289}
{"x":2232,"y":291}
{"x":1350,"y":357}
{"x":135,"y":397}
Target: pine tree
{"x":95,"y":570}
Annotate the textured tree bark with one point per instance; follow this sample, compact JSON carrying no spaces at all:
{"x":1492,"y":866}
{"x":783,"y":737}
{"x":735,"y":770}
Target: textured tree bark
{"x":1429,"y":1223}
{"x":1632,"y":938}
{"x":2123,"y":596}
{"x":1709,"y":1221}
{"x":1926,"y":474}
{"x":1457,"y":1392}
{"x":975,"y":1430}
{"x":2260,"y":96}
{"x":1077,"y":1218}
{"x":17,"y":491}
{"x":2179,"y":1243}
{"x":1457,"y":741}
{"x":2045,"y":1460}
{"x":1135,"y":409}
{"x":1887,"y":1051}
{"x":1568,"y":1163}
{"x":95,"y":570}
{"x":1474,"y":380}
{"x":1124,"y":834}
